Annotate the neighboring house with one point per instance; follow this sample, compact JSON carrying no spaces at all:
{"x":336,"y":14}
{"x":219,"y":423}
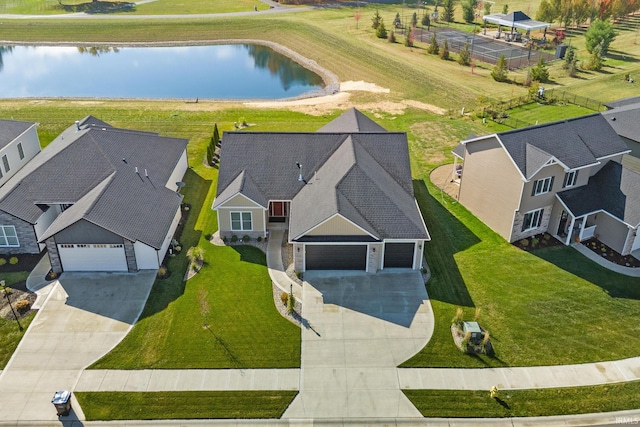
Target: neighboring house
{"x":350,"y":206}
{"x":18,"y":144}
{"x":98,"y":198}
{"x":625,"y":120}
{"x":564,"y":178}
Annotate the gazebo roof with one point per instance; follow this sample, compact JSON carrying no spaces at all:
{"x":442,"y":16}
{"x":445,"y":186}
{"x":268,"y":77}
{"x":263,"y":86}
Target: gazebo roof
{"x":515,"y":20}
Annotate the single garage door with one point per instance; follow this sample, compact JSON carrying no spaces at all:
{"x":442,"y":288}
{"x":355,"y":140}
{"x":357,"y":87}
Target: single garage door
{"x":98,"y":257}
{"x":336,"y":257}
{"x":398,"y":255}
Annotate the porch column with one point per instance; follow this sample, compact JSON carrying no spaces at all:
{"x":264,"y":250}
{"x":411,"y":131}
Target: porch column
{"x":570,"y":233}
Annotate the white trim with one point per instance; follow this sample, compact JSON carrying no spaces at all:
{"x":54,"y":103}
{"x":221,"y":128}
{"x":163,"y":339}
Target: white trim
{"x":428,"y":239}
{"x":479,"y":138}
{"x":258,"y":205}
{"x":539,"y":219}
{"x":241,"y":221}
{"x":583,"y":167}
{"x":2,"y":227}
{"x":551,"y":162}
{"x":415,"y":242}
{"x":330,"y":218}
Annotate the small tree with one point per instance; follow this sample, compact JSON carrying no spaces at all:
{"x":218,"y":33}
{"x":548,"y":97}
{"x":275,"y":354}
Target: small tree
{"x":444,"y":52}
{"x":375,"y":21}
{"x":357,"y":16}
{"x":487,"y":8}
{"x":433,"y":47}
{"x":397,"y":23}
{"x":546,"y":12}
{"x":539,"y":73}
{"x":392,"y":37}
{"x":600,"y":34}
{"x":414,"y":19}
{"x":449,"y":7}
{"x":596,"y":62}
{"x":505,"y":9}
{"x":500,"y":71}
{"x":195,"y":254}
{"x":469,"y":10}
{"x":408,"y":41}
{"x":426,"y":22}
{"x":381,"y":31}
{"x":211,"y":148}
{"x":465,"y":55}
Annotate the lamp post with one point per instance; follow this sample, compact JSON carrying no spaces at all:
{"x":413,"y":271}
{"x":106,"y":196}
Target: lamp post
{"x":6,"y":293}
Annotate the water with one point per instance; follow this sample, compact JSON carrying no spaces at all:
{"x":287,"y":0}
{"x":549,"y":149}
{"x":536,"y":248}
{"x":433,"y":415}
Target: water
{"x":185,"y":72}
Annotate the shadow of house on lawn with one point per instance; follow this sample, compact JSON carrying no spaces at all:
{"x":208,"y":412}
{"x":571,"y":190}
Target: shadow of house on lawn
{"x":614,"y":284}
{"x":96,"y":7}
{"x":448,"y":236}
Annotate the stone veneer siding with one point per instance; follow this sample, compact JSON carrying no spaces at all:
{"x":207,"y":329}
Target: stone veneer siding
{"x":298,"y":256}
{"x":26,"y":236}
{"x":130,"y":254}
{"x":54,"y":256}
{"x":516,"y":231}
{"x":375,"y":250}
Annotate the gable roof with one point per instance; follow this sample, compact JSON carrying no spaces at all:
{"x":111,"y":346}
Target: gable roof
{"x":623,"y":102}
{"x":93,"y":167}
{"x":625,"y":120}
{"x":575,"y":143}
{"x":352,"y":120}
{"x":11,"y":129}
{"x":363,"y":176}
{"x":614,"y":189}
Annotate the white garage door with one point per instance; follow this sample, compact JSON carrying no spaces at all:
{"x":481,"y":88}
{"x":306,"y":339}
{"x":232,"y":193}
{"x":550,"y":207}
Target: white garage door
{"x":107,"y":257}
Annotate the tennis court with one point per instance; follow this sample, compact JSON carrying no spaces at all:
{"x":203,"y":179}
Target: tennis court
{"x":485,"y":49}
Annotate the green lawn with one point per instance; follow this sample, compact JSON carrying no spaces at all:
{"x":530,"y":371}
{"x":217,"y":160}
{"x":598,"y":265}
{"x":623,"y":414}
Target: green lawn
{"x":551,"y":307}
{"x":526,"y":403}
{"x":184,"y":405}
{"x":10,"y":334}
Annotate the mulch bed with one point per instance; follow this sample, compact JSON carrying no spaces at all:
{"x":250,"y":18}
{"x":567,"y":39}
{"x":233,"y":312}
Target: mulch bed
{"x":539,"y":241}
{"x":26,"y":262}
{"x":18,"y":292}
{"x":610,"y":255}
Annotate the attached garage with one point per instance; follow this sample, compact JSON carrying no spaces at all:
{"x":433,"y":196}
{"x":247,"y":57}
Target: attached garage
{"x":336,"y":257}
{"x":92,"y":257}
{"x":398,"y":255}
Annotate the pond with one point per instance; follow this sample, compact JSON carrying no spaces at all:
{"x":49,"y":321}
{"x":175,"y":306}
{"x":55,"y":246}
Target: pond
{"x":236,"y":71}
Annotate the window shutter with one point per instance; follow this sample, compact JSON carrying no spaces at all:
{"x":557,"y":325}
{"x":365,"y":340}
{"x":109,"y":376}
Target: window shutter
{"x":575,"y":177}
{"x":541,"y":212}
{"x":551,"y":184}
{"x":566,"y":178}
{"x":533,"y":190}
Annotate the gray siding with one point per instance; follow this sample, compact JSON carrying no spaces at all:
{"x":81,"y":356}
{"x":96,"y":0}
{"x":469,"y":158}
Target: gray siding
{"x":84,"y":232}
{"x":612,"y":232}
{"x":26,"y":236}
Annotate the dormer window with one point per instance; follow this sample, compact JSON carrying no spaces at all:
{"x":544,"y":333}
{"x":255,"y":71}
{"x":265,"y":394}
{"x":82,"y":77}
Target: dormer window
{"x":542,"y":186}
{"x":570,"y":179}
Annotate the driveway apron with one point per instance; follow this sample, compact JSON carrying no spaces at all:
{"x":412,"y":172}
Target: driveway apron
{"x":357,"y":328}
{"x":83,"y":318}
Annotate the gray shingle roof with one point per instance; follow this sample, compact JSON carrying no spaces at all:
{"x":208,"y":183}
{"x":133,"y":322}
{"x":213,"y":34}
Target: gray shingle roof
{"x":94,"y":169}
{"x":614,"y":189}
{"x":352,"y":120}
{"x":363,"y":176}
{"x":625,"y":121}
{"x":11,"y":129}
{"x":575,"y":143}
{"x":623,"y":102}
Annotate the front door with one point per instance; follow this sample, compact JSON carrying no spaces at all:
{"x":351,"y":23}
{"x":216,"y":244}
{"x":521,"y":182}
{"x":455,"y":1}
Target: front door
{"x":562,"y":227}
{"x":278,"y":211}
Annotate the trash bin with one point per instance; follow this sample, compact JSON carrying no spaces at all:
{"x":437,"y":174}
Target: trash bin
{"x":62,"y":401}
{"x":561,"y":49}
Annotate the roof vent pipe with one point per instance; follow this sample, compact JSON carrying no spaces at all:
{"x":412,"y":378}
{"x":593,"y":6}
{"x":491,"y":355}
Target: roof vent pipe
{"x":146,"y":174}
{"x":300,"y":178}
{"x":78,"y":124}
{"x":137,"y":171}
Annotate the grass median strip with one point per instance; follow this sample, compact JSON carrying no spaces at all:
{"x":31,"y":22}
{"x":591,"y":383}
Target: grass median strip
{"x":107,"y":406}
{"x":526,"y":403}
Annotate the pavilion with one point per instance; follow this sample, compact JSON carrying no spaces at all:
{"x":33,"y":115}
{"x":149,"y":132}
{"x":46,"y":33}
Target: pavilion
{"x":514,"y":20}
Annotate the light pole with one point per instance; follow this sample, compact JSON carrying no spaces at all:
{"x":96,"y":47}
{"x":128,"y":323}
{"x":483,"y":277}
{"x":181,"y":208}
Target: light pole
{"x":6,"y":293}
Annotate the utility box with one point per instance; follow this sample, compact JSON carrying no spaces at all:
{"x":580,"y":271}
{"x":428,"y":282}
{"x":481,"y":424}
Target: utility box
{"x":561,"y":49}
{"x":62,"y":401}
{"x":476,"y":334}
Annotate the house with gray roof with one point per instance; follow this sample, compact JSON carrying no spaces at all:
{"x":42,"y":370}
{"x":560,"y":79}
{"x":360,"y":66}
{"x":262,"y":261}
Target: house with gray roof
{"x":565,"y":178}
{"x":345,"y":194}
{"x":98,"y":198}
{"x":625,"y":120}
{"x":18,"y":144}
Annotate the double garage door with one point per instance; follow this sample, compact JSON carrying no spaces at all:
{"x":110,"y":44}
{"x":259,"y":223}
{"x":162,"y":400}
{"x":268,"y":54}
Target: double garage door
{"x":96,"y":257}
{"x":354,"y":257}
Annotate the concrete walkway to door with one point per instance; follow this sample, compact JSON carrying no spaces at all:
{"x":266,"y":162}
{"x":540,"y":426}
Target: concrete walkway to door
{"x":359,"y":327}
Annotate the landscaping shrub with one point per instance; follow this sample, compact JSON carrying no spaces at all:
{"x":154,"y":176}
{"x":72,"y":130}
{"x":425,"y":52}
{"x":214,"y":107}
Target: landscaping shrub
{"x":392,"y":37}
{"x":13,"y":260}
{"x":246,"y":238}
{"x":22,"y":305}
{"x":381,"y":31}
{"x":162,"y":272}
{"x":3,"y":261}
{"x":234,"y":238}
{"x":284,"y":297}
{"x":207,"y":236}
{"x":259,"y":239}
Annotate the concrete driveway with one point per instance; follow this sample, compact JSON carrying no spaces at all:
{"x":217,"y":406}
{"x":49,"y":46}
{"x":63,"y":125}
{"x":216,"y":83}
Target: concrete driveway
{"x":83,"y":318}
{"x":359,"y":327}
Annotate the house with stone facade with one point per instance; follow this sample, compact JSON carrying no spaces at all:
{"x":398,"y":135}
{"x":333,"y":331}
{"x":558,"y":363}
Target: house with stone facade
{"x":98,"y":198}
{"x":344,"y":193}
{"x":565,"y":178}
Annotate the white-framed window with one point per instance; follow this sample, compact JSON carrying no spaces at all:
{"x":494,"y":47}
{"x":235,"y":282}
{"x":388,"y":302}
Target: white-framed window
{"x":542,"y":186}
{"x":532,"y":220}
{"x":20,"y":151}
{"x":570,"y":179}
{"x":8,"y":236}
{"x":5,"y":162}
{"x":241,"y":221}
